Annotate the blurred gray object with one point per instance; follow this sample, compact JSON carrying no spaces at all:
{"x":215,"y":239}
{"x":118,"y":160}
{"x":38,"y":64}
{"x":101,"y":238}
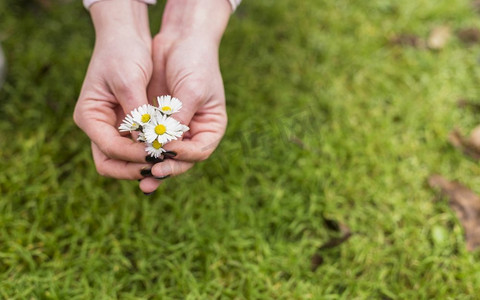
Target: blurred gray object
{"x":2,"y":67}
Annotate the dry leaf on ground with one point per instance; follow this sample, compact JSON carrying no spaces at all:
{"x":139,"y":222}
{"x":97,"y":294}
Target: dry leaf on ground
{"x":469,"y":35}
{"x":466,"y":103}
{"x":345,"y":234}
{"x":466,"y":205}
{"x":297,"y":141}
{"x":406,"y":39}
{"x":468,"y":145}
{"x":438,"y":37}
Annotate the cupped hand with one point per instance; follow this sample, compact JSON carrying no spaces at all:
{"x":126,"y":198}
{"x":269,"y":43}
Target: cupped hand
{"x":188,"y":68}
{"x":115,"y":83}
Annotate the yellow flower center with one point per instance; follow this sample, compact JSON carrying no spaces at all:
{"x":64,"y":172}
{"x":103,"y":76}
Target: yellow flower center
{"x":145,"y":118}
{"x":156,"y":144}
{"x":160,"y":129}
{"x":166,"y":108}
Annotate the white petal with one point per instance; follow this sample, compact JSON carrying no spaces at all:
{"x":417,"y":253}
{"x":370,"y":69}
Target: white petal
{"x":150,"y":134}
{"x":164,"y":138}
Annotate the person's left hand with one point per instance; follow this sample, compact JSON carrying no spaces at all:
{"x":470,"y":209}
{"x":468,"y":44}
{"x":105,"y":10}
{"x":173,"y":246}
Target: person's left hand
{"x":188,"y":68}
{"x":115,"y":83}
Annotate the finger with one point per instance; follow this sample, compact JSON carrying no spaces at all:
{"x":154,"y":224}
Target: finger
{"x":170,"y":168}
{"x":207,"y":119}
{"x":158,"y":83}
{"x":199,"y":148}
{"x":191,"y":102}
{"x":130,"y":90}
{"x":149,"y":185}
{"x":115,"y":146}
{"x":207,"y":130}
{"x":114,"y":168}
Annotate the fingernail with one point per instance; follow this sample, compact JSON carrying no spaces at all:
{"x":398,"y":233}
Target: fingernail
{"x":148,"y":194}
{"x":161,"y":178}
{"x":146,"y":172}
{"x":152,"y":159}
{"x":170,"y":154}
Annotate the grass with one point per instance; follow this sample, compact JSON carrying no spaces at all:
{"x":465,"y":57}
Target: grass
{"x":326,"y":120}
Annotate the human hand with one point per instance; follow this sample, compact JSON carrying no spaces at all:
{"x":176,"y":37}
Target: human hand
{"x":185,"y":65}
{"x":115,"y":84}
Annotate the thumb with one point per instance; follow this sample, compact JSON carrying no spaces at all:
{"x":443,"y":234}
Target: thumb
{"x":130,"y":91}
{"x":192,"y":98}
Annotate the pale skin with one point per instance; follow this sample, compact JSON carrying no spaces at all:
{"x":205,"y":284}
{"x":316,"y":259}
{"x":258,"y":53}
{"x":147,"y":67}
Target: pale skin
{"x":128,"y":68}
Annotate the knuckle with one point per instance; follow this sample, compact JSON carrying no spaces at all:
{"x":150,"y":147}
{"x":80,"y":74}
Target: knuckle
{"x":77,"y":116}
{"x":102,"y":170}
{"x":205,"y":155}
{"x":170,"y":168}
{"x":122,"y":85}
{"x":177,"y":170}
{"x":125,"y":84}
{"x":207,"y":150}
{"x":194,"y":87}
{"x":108,"y":150}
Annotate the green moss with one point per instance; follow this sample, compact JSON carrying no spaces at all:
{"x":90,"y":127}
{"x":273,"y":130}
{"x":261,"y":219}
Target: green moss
{"x":326,"y":118}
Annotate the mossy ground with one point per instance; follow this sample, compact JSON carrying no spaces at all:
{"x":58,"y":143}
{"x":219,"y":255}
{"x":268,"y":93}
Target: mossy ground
{"x":327,"y":119}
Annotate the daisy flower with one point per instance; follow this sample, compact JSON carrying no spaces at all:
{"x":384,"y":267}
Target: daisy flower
{"x":168,"y":105}
{"x":177,"y":130}
{"x":163,"y":129}
{"x":184,"y":128}
{"x":128,"y":124}
{"x":143,"y":114}
{"x":155,"y":149}
{"x":154,"y":125}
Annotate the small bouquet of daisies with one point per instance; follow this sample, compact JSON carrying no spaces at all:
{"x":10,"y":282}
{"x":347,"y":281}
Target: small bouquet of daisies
{"x":155,"y":125}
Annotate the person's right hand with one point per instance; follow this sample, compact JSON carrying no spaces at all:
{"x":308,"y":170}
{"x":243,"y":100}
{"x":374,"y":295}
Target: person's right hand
{"x":116,"y":83}
{"x":186,"y":66}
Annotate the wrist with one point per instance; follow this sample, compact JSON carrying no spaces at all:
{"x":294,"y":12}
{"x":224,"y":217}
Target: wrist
{"x":125,"y":17}
{"x":186,"y":18}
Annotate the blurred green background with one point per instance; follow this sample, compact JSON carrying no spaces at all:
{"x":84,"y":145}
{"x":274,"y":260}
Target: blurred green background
{"x":330,"y":125}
